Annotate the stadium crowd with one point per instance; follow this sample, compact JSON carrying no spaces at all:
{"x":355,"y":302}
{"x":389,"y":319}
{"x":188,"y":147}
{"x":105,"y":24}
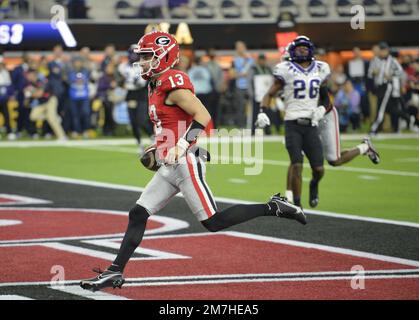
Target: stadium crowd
{"x":72,"y":95}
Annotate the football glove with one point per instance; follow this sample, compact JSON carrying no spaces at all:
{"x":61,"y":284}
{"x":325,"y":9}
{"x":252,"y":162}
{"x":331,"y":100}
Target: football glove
{"x":317,"y":115}
{"x":176,"y":152}
{"x":262,"y":120}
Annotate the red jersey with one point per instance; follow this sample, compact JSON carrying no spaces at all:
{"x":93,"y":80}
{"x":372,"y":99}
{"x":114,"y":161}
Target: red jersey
{"x":170,"y":121}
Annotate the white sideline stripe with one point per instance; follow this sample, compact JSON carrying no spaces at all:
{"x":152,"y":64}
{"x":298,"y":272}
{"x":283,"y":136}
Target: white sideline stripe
{"x":153,"y":254}
{"x":21,"y":200}
{"x":396,"y":147}
{"x":330,"y":275}
{"x":130,"y":141}
{"x":218,"y":199}
{"x":308,"y":245}
{"x":13,"y":297}
{"x":99,"y":295}
{"x":169,"y":225}
{"x":301,"y":244}
{"x":83,"y":251}
{"x":282,"y":163}
{"x":296,"y":279}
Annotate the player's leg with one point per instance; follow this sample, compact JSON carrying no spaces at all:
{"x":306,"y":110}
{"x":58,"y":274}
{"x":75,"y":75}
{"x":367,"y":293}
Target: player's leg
{"x":200,"y":199}
{"x":288,"y":193}
{"x":294,"y":145}
{"x":330,"y":137}
{"x":313,"y":149}
{"x":156,"y":195}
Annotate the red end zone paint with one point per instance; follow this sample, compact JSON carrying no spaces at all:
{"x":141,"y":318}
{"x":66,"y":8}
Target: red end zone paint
{"x":307,"y":290}
{"x":50,"y":223}
{"x":239,"y":256}
{"x":6,"y":200}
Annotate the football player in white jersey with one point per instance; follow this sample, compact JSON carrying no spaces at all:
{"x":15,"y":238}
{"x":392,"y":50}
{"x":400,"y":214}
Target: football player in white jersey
{"x":301,"y":75}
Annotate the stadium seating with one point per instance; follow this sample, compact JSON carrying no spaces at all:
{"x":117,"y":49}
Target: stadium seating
{"x":259,"y":9}
{"x":317,"y":8}
{"x":230,"y":9}
{"x":221,"y":10}
{"x":373,"y":8}
{"x":125,"y":10}
{"x":343,"y":8}
{"x":179,"y":9}
{"x":401,"y":7}
{"x":289,"y":6}
{"x":204,"y":10}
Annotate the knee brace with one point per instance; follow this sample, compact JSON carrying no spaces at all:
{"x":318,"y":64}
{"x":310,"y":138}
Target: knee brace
{"x":138,"y":214}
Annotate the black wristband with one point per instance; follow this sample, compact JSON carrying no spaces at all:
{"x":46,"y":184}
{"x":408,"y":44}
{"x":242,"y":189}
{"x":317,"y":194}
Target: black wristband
{"x":263,"y":109}
{"x":194,"y":131}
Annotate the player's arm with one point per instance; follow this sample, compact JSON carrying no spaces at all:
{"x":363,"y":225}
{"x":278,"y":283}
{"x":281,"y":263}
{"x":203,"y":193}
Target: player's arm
{"x":272,"y":93}
{"x":188,"y":102}
{"x":324,"y":100}
{"x":263,"y":120}
{"x":325,"y":104}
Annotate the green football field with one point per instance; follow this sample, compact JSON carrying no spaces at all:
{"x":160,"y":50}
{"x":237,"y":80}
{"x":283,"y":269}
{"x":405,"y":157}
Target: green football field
{"x":389,"y":190}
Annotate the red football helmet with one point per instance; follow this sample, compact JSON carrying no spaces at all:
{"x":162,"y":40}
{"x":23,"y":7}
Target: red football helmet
{"x":158,"y":51}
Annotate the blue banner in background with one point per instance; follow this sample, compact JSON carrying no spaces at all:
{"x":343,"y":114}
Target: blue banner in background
{"x":17,"y":34}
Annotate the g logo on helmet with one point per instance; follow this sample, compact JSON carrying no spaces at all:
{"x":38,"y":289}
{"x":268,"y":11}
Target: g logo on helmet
{"x":163,"y":41}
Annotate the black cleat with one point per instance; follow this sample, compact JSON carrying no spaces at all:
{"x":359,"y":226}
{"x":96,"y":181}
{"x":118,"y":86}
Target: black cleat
{"x":372,"y":152}
{"x":286,"y":210}
{"x":105,"y":279}
{"x":314,"y":194}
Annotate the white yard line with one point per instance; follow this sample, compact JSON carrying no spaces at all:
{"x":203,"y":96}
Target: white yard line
{"x":251,"y":161}
{"x":71,"y":286}
{"x":219,"y":199}
{"x":223,"y":139}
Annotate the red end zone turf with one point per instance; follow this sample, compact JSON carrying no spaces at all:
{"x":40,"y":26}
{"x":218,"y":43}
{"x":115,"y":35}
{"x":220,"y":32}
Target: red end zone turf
{"x":243,"y":257}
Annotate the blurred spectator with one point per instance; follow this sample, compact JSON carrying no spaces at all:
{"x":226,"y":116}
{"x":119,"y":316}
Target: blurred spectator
{"x":6,"y":90}
{"x":77,"y":9}
{"x":43,"y":103}
{"x":348,"y":102}
{"x":217,"y":82}
{"x":387,"y":75}
{"x":43,"y":69}
{"x":412,"y":95}
{"x":78,"y":79}
{"x":136,"y":97}
{"x":105,"y":85}
{"x":201,"y":79}
{"x":151,"y":9}
{"x":338,"y":75}
{"x":239,"y":72}
{"x":57,"y":73}
{"x":88,"y":63}
{"x":371,"y":90}
{"x":19,"y":82}
{"x":110,"y":56}
{"x":260,"y":80}
{"x":183,"y":63}
{"x":5,"y":8}
{"x":357,"y":70}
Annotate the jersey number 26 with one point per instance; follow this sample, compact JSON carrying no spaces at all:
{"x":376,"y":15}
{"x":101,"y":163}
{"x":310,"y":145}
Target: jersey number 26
{"x":300,"y":87}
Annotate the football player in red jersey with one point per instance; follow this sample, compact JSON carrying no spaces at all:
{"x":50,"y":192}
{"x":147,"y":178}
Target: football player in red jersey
{"x":179,"y":117}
